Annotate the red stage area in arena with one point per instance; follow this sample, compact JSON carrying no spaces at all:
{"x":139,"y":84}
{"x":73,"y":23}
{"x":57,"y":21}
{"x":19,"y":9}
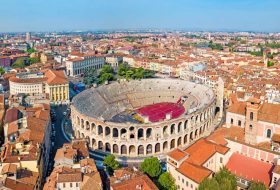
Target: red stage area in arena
{"x":157,"y":112}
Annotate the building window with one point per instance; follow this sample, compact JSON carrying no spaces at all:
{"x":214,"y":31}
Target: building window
{"x":268,"y":133}
{"x":221,"y":160}
{"x":239,"y":123}
{"x":183,"y":181}
{"x":77,"y":184}
{"x":187,"y":183}
{"x":231,"y":121}
{"x":275,"y":180}
{"x":251,"y":116}
{"x":63,"y":185}
{"x":251,"y":127}
{"x":70,"y":184}
{"x":191,"y":186}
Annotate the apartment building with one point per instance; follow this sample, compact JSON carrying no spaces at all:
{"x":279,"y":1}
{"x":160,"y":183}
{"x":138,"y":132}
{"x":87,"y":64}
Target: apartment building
{"x":79,"y":63}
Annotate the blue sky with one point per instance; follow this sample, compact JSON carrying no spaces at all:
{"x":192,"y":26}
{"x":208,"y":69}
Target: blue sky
{"x":57,"y":15}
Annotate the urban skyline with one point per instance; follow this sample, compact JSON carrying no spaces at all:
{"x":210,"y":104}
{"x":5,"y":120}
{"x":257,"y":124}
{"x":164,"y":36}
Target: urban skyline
{"x":202,"y":15}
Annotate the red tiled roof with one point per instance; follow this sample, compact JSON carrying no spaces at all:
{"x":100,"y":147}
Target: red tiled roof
{"x":249,"y":168}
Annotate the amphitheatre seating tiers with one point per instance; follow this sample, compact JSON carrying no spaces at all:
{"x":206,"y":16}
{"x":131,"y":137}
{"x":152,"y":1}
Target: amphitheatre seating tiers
{"x":107,"y":101}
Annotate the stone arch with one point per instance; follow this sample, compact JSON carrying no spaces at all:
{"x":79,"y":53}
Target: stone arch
{"x":78,"y":134}
{"x":107,"y":131}
{"x":100,"y":130}
{"x":100,"y":145}
{"x":123,"y":133}
{"x":172,"y":144}
{"x":149,"y":149}
{"x":185,"y":138}
{"x":107,"y":147}
{"x":179,"y":142}
{"x":82,"y":123}
{"x":115,"y":133}
{"x":157,"y":148}
{"x":200,"y":130}
{"x":165,"y":130}
{"x":196,"y":119}
{"x":131,"y":136}
{"x":140,"y":133}
{"x":172,"y":129}
{"x":191,"y":136}
{"x":196,"y":133}
{"x":179,"y":127}
{"x":141,"y":150}
{"x":165,"y":146}
{"x":93,"y":128}
{"x":93,"y":142}
{"x":132,"y":150}
{"x":186,"y":124}
{"x":79,"y":121}
{"x":123,"y":150}
{"x":131,"y":128}
{"x":87,"y":125}
{"x":82,"y":135}
{"x":115,"y":149}
{"x":149,"y":132}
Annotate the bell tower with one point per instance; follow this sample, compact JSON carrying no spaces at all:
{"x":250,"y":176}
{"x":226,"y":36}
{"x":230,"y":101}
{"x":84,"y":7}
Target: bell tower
{"x":251,"y":123}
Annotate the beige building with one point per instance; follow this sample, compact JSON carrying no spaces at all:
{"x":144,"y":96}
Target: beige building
{"x":201,"y":160}
{"x":79,"y":63}
{"x":51,"y":82}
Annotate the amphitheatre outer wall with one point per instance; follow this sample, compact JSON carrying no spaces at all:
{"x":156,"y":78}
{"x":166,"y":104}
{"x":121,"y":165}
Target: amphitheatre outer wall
{"x":93,"y":109}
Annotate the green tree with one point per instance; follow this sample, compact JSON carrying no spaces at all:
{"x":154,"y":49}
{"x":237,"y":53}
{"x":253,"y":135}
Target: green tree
{"x":223,"y":180}
{"x":32,"y":60}
{"x":257,"y":186}
{"x":270,"y":63}
{"x":31,"y":50}
{"x":2,"y":70}
{"x":209,"y":184}
{"x":226,"y":180}
{"x":166,"y":181}
{"x":151,"y":166}
{"x":122,"y":69}
{"x":106,"y":77}
{"x":90,"y":76}
{"x":106,"y":69}
{"x":19,"y":63}
{"x":138,"y":73}
{"x":110,"y":161}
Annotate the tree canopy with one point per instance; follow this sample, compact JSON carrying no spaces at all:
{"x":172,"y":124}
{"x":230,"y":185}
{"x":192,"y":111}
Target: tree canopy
{"x":106,"y":74}
{"x":151,"y":166}
{"x":34,"y":60}
{"x":214,"y":46}
{"x":257,"y":186}
{"x":127,"y":72}
{"x":90,"y":76}
{"x":209,"y":184}
{"x":166,"y":181}
{"x":111,"y":163}
{"x":19,"y":63}
{"x":223,"y":180}
{"x":31,"y":50}
{"x":2,"y":70}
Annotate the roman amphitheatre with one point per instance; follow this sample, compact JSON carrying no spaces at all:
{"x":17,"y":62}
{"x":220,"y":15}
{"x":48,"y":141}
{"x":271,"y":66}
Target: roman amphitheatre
{"x":140,"y":118}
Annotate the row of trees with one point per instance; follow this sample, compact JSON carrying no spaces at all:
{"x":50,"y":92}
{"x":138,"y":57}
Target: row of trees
{"x":124,"y":71}
{"x":106,"y":73}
